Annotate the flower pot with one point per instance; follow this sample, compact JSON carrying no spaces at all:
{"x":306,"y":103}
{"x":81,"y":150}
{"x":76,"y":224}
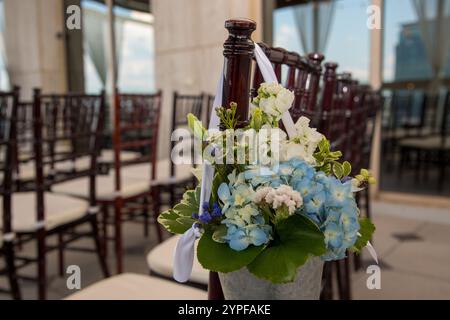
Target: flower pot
{"x":242,"y":285}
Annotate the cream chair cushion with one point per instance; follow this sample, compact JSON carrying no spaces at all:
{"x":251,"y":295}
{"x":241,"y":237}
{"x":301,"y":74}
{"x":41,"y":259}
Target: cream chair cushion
{"x":433,"y":142}
{"x":160,"y":261}
{"x":108,"y":156}
{"x":104,"y":185}
{"x":143,"y":170}
{"x":84,"y":163}
{"x":59,"y":210}
{"x":129,"y":286}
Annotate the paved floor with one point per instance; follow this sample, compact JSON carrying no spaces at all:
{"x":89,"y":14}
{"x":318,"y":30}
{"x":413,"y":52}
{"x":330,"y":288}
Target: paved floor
{"x":413,"y":244}
{"x":414,"y":248}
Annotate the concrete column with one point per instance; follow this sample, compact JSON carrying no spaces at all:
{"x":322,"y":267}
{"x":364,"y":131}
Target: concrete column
{"x":376,"y":80}
{"x":189,"y":38}
{"x":35,"y":45}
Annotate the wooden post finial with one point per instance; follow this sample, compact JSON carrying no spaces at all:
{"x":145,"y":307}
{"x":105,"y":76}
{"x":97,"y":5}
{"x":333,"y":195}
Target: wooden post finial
{"x":238,"y":53}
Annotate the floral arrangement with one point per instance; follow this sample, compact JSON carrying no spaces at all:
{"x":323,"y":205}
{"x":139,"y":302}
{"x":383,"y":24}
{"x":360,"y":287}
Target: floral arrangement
{"x":271,"y":217}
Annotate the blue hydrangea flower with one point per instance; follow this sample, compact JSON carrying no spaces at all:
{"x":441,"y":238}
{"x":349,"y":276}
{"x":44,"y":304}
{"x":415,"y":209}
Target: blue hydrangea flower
{"x":327,"y":201}
{"x":240,"y":238}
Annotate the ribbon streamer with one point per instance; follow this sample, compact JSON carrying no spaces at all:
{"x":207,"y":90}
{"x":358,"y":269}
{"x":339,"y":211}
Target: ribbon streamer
{"x":183,"y":258}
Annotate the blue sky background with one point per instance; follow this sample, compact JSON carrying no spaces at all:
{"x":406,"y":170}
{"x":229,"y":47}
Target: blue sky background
{"x":348,"y":42}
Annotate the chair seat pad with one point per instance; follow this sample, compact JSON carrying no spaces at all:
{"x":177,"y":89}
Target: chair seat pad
{"x":160,"y":261}
{"x":105,"y":187}
{"x":143,"y":170}
{"x":59,"y":210}
{"x":107,"y":156}
{"x":432,"y":142}
{"x":130,"y":286}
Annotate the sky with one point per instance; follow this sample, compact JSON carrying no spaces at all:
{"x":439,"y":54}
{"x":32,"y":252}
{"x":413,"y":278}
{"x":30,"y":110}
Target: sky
{"x":348,"y":42}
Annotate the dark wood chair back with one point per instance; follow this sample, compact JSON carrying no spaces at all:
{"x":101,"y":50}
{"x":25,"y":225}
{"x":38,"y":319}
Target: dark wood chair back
{"x":183,"y":104}
{"x":136,"y":127}
{"x":296,"y":73}
{"x":66,"y":127}
{"x":209,"y":106}
{"x":445,"y":122}
{"x":67,"y":123}
{"x":8,"y":114}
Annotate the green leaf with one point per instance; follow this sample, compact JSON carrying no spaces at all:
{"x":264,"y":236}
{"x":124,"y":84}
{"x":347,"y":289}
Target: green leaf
{"x":179,"y":218}
{"x":220,"y":257}
{"x":367,"y":228}
{"x":219,"y":233}
{"x":170,"y":221}
{"x":189,"y":204}
{"x":347,"y":168}
{"x":299,"y":239}
{"x":196,"y":126}
{"x":326,"y":168}
{"x":217,"y":180}
{"x":338,"y":170}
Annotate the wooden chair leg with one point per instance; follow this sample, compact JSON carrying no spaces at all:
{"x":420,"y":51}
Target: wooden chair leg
{"x":357,"y":263}
{"x":172,"y":197}
{"x":61,"y":254}
{"x":340,"y":279}
{"x":99,"y":247}
{"x":118,"y":234}
{"x":214,"y":287}
{"x":327,"y":282}
{"x":367,"y":202}
{"x":347,"y":279}
{"x":156,"y":209}
{"x":145,"y":215}
{"x":442,"y":165}
{"x":42,"y":264}
{"x":11,"y":269}
{"x":105,"y":229}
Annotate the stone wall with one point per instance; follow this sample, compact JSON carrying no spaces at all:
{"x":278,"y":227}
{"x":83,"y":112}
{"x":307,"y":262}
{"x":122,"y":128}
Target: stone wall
{"x":189,"y":38}
{"x":34,"y":46}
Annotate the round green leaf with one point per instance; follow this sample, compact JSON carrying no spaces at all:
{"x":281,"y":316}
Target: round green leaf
{"x":219,"y":257}
{"x":299,"y":238}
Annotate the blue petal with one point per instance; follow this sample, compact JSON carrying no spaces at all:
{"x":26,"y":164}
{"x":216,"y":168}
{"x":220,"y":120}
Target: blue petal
{"x":258,"y":237}
{"x":224,"y":192}
{"x":239,"y":244}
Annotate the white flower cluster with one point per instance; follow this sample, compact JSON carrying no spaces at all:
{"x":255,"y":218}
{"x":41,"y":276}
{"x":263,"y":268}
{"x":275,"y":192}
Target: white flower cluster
{"x":304,"y":144}
{"x":273,"y":99}
{"x":283,"y":195}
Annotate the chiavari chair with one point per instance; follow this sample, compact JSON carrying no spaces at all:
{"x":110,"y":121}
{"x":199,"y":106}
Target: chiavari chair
{"x":302,"y":76}
{"x":209,"y":100}
{"x":433,"y":148}
{"x":127,"y":188}
{"x":8,"y":115}
{"x":38,"y":213}
{"x":170,"y":190}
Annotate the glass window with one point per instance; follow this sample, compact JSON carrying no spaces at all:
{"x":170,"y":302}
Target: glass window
{"x":4,"y":78}
{"x":348,"y":37}
{"x":134,"y":48}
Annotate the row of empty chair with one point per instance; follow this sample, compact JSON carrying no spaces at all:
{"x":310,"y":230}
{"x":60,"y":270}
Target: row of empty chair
{"x":57,"y":175}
